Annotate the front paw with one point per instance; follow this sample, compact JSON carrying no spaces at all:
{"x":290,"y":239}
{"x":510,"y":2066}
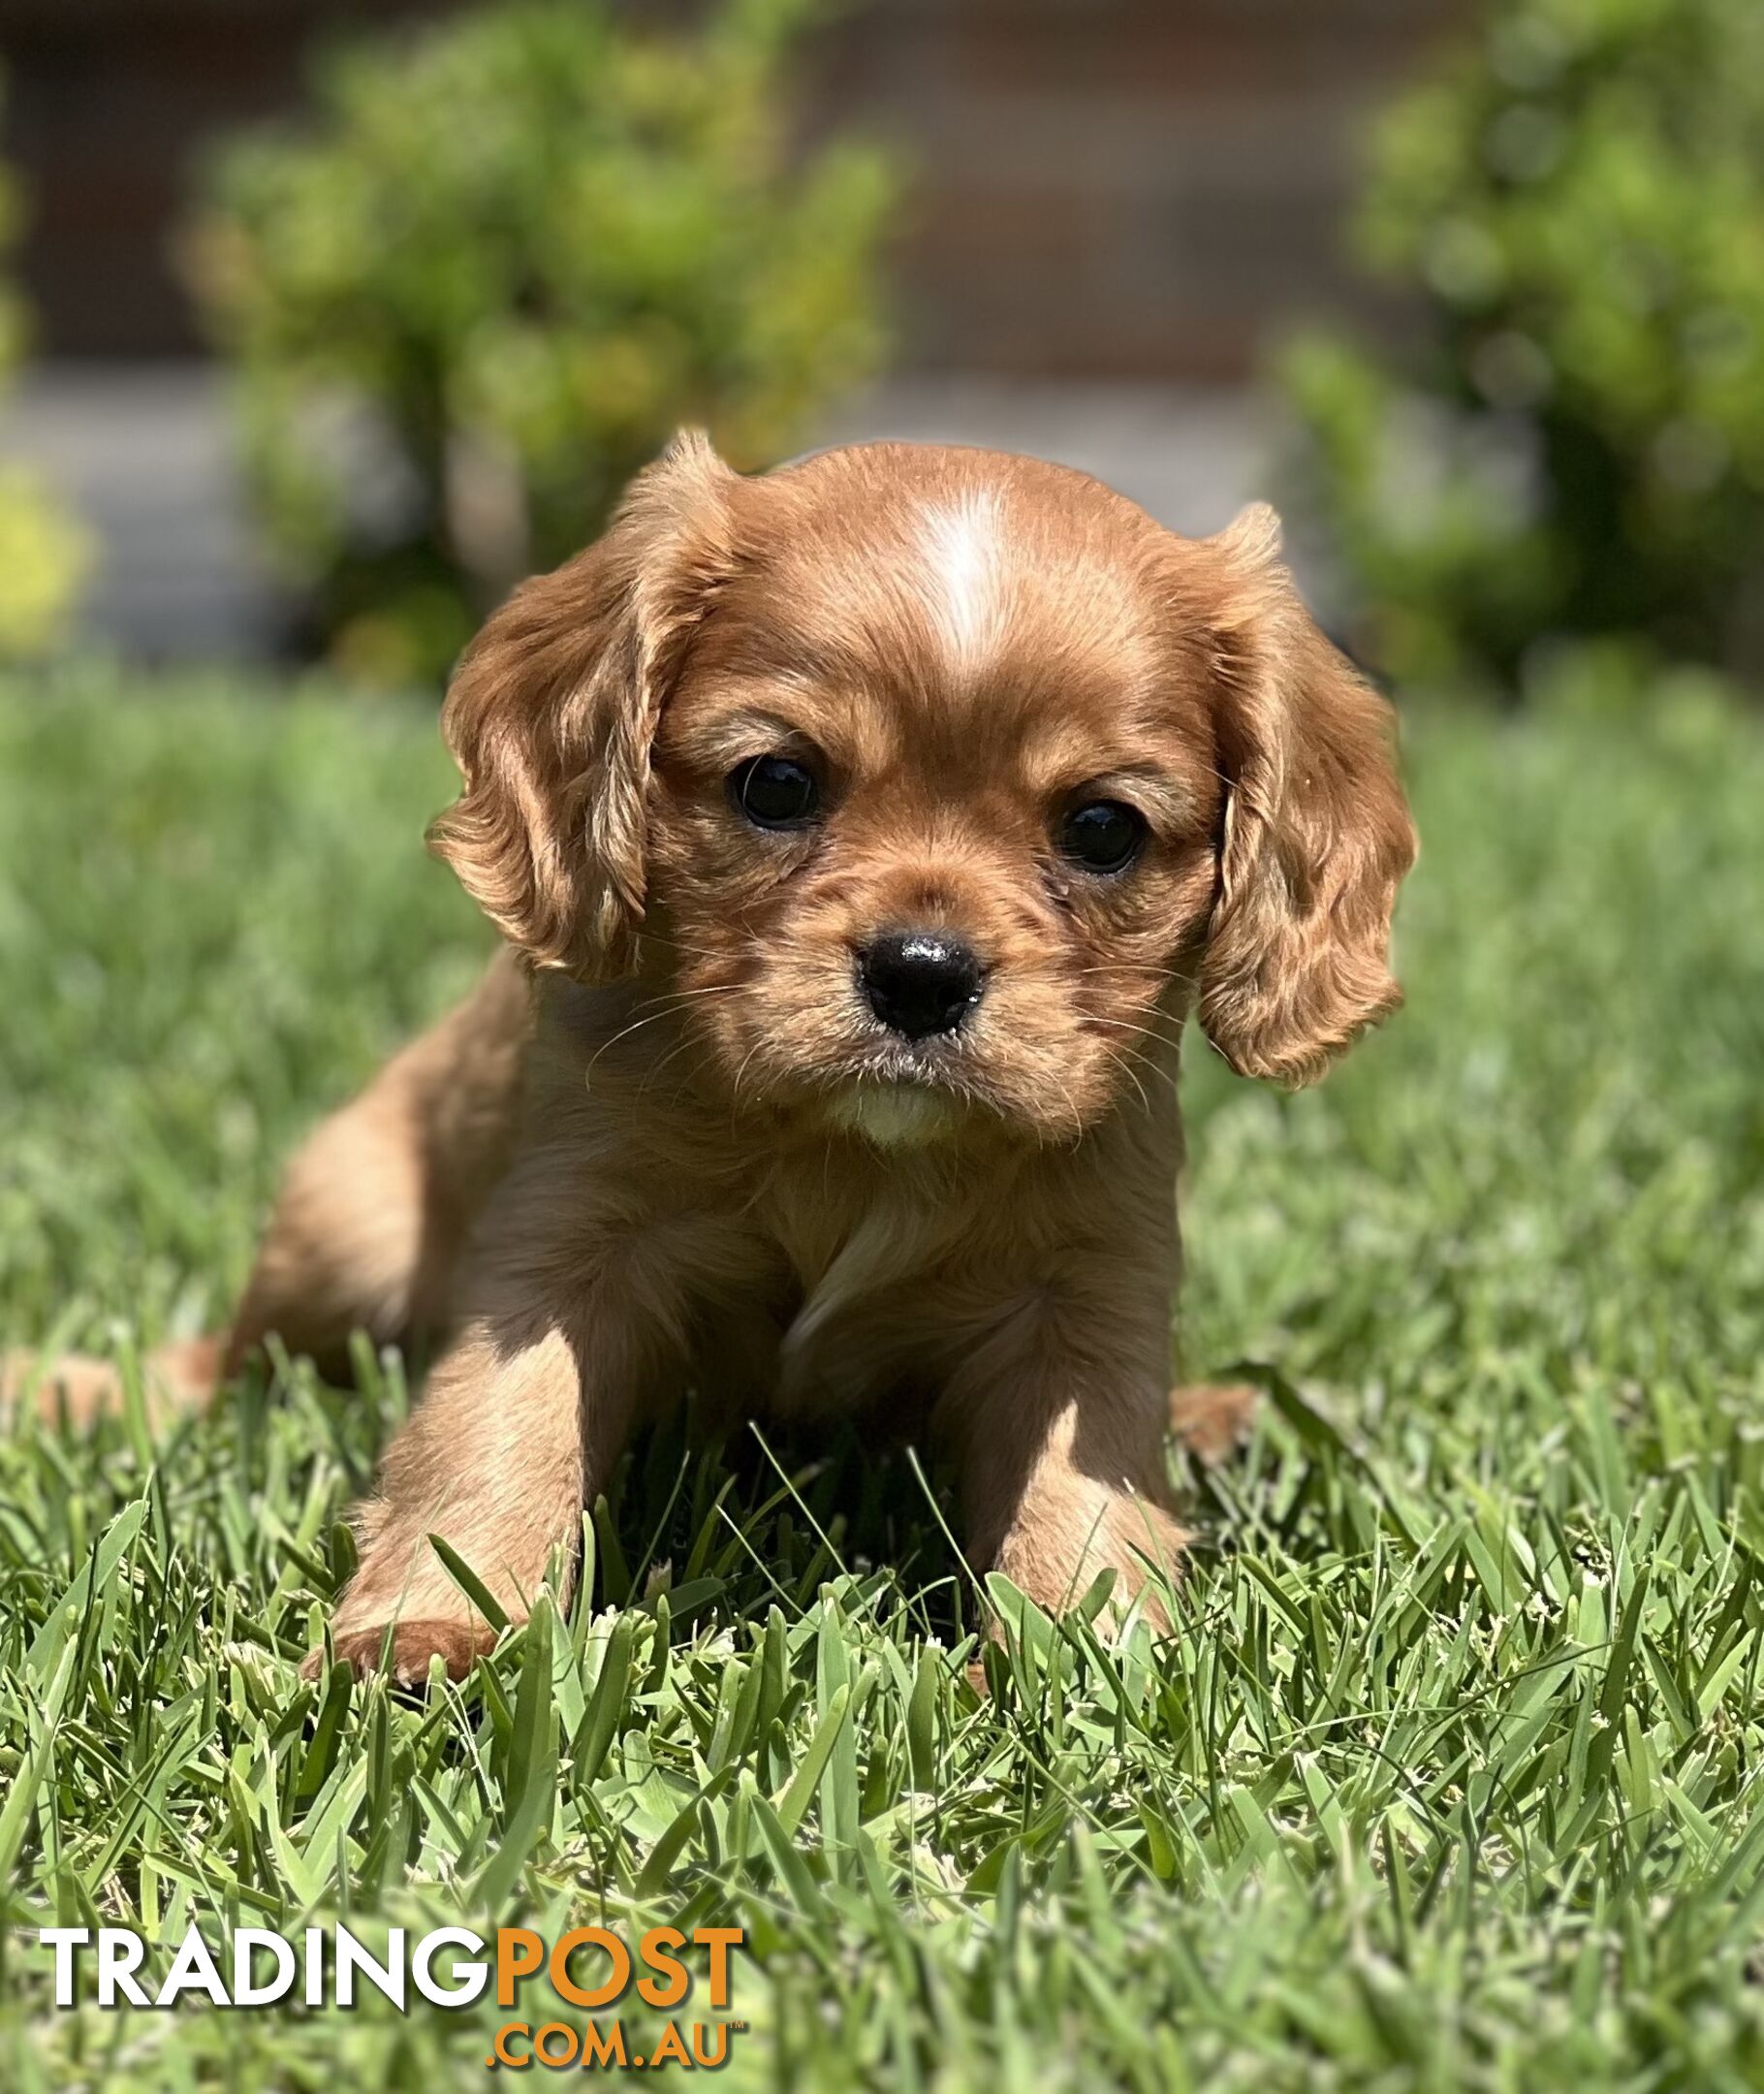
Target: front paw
{"x":404,"y":1651}
{"x":1056,"y":1555}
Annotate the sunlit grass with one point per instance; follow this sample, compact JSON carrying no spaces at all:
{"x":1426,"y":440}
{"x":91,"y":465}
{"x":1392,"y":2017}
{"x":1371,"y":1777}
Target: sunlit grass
{"x":1449,"y":1778}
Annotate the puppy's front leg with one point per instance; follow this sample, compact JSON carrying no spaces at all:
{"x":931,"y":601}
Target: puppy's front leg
{"x":1060,"y":1420}
{"x":495,"y":1459}
{"x":519,"y":1425}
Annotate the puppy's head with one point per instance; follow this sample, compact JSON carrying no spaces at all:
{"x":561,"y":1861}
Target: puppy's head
{"x":937,"y":783}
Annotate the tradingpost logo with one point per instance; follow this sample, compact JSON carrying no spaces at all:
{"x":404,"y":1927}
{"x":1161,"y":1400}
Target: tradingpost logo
{"x":595,"y":1972}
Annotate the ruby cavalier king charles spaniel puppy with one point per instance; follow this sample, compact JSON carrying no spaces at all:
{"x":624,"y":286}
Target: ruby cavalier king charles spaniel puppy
{"x":861,"y":835}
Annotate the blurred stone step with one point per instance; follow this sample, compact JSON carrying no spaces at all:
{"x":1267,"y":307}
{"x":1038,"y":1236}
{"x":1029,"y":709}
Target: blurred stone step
{"x":142,"y":452}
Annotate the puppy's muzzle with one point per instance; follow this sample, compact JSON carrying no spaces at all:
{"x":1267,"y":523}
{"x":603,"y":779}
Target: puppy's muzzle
{"x":920,"y":983}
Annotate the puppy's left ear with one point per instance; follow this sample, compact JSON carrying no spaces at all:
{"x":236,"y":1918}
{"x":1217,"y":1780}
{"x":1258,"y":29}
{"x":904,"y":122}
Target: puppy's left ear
{"x":552,"y":711}
{"x":1316,"y":835}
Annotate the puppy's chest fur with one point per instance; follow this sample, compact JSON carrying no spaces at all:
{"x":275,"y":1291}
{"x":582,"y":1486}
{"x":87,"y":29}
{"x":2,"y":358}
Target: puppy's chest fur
{"x":823,"y":1271}
{"x":887,"y":1269}
{"x":863,"y":1262}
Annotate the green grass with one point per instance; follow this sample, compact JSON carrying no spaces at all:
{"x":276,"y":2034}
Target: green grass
{"x":1450,"y":1778}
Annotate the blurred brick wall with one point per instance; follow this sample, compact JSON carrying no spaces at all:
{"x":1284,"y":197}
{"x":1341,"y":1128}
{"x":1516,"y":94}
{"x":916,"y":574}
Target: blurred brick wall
{"x":107,"y":104}
{"x":1123,"y":187}
{"x":1107,"y":188}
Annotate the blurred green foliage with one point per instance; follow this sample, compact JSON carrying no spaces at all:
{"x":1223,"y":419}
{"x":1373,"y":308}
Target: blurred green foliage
{"x":507,"y":257}
{"x":42,"y":551}
{"x":1574,"y":444}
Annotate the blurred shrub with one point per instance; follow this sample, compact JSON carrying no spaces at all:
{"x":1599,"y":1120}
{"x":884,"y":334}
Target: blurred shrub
{"x":510,"y":254}
{"x":42,"y":551}
{"x":1575,"y":444}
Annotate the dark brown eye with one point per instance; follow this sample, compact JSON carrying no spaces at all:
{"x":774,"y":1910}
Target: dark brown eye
{"x":1103,"y":836}
{"x":774,"y":792}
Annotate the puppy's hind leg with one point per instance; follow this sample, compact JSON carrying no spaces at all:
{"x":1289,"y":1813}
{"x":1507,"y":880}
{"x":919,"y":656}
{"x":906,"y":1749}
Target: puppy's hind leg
{"x":349,"y":1244}
{"x":1214,"y":1420}
{"x":181,"y":1376}
{"x":368,"y":1230}
{"x":374,"y":1212}
{"x":354,"y":1243}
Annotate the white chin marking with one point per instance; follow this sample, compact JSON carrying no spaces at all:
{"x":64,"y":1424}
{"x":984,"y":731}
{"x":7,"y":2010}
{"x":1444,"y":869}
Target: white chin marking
{"x":893,"y":1115}
{"x":961,"y":549}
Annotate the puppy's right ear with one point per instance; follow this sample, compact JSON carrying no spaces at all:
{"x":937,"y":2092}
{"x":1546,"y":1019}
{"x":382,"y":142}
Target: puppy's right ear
{"x":552,"y":711}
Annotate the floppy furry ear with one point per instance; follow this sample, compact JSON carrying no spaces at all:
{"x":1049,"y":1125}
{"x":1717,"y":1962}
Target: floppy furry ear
{"x":552,"y":711}
{"x":1316,"y":834}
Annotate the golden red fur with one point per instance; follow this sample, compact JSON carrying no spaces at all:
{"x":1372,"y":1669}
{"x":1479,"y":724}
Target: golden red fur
{"x":671,"y":1126}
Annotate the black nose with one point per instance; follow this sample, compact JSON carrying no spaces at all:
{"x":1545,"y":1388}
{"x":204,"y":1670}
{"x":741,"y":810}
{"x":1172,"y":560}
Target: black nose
{"x":920,"y":982}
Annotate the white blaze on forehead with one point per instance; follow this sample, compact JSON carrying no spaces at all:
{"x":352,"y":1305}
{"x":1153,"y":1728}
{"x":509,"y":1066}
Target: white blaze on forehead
{"x":961,"y":549}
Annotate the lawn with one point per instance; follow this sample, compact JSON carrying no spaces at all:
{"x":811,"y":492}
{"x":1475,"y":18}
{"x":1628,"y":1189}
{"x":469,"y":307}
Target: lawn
{"x":1451,"y":1776}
